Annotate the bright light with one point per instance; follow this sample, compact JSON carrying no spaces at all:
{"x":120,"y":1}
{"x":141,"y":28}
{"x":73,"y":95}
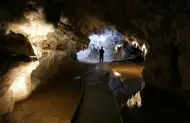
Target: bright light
{"x":133,"y":101}
{"x":20,"y":78}
{"x":44,"y":39}
{"x":109,"y":39}
{"x":143,"y":48}
{"x":116,"y":73}
{"x":36,"y":29}
{"x":118,"y":46}
{"x":135,"y":43}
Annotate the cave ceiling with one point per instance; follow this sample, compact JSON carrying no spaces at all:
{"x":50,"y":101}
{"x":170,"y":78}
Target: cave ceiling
{"x":145,"y":19}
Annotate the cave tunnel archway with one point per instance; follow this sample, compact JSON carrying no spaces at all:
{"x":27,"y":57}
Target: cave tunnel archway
{"x":115,"y":45}
{"x":108,"y":39}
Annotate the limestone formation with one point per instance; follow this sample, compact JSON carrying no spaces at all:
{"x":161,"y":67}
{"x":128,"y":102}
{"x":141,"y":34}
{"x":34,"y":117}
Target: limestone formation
{"x":163,"y":25}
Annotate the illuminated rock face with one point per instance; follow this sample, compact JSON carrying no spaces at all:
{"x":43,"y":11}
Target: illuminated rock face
{"x":108,"y":39}
{"x":32,"y":36}
{"x":151,"y":22}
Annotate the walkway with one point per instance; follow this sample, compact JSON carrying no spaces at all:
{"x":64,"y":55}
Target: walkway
{"x":98,"y":104}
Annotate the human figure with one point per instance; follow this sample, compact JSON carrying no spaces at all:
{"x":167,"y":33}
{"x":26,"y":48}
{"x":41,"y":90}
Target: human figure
{"x":101,"y":51}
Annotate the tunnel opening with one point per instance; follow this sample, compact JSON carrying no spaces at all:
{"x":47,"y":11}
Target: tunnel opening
{"x":115,"y":45}
{"x":109,"y":39}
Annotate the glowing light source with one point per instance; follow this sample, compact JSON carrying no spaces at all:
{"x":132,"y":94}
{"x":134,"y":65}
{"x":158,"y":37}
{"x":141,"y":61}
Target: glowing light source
{"x":116,"y":73}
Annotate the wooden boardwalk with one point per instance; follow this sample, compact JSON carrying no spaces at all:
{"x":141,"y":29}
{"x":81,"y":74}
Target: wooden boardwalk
{"x":98,"y":104}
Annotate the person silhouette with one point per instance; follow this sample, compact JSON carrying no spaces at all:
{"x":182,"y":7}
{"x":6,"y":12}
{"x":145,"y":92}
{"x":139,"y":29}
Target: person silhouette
{"x":101,"y":51}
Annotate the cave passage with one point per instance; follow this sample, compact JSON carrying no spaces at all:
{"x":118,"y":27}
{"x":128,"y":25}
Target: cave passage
{"x":109,"y":39}
{"x":38,"y":38}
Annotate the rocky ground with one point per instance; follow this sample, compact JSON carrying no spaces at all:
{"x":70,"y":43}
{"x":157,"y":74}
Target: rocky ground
{"x":53,"y":102}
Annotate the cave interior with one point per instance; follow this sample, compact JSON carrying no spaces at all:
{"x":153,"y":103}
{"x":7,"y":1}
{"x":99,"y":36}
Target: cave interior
{"x":160,"y":29}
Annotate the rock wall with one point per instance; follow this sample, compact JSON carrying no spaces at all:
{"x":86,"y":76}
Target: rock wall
{"x":32,"y":36}
{"x":162,"y":24}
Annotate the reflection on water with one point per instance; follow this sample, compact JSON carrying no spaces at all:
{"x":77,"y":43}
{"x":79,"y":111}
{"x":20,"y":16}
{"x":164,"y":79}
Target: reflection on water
{"x":124,"y":85}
